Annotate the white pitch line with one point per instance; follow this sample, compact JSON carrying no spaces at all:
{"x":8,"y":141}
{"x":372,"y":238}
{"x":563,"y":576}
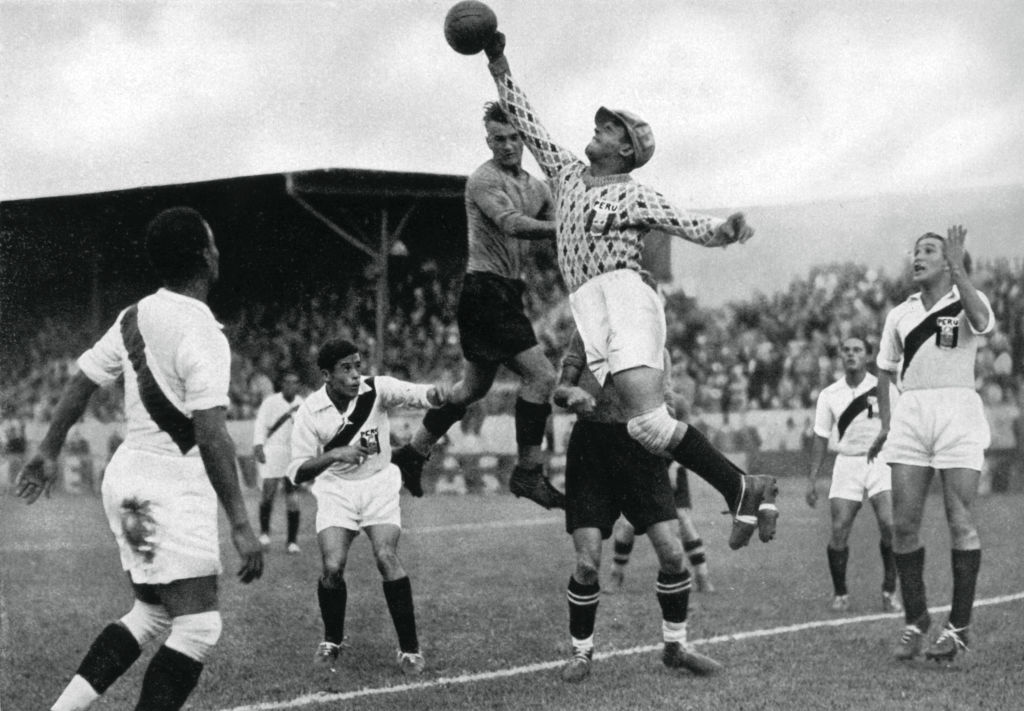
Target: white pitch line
{"x":323,"y":697}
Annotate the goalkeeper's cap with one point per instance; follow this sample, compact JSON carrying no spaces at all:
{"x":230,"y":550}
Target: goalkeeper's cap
{"x":638,"y":130}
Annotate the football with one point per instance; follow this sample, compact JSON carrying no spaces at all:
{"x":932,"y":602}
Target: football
{"x":469,"y":25}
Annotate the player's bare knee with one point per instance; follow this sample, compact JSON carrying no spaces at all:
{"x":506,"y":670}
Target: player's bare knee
{"x":539,"y":384}
{"x":587,"y":571}
{"x":145,"y":622}
{"x":653,"y":429}
{"x":963,"y":534}
{"x":333,"y":574}
{"x":195,"y":635}
{"x":388,"y":562}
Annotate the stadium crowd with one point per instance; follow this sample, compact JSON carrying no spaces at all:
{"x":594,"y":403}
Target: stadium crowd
{"x":765,"y":352}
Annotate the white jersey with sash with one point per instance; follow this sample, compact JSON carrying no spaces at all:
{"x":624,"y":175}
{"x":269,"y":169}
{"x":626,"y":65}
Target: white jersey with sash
{"x":158,"y":498}
{"x":273,"y":431}
{"x":848,"y":416}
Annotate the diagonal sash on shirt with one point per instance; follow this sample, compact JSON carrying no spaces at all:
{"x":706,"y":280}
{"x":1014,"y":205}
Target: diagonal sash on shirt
{"x":858,"y":405}
{"x":281,"y":420}
{"x":364,"y":405}
{"x":166,"y":416}
{"x":920,"y":334}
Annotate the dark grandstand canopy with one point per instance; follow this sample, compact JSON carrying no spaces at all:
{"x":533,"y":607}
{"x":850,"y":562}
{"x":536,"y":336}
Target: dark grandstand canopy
{"x":282,"y":237}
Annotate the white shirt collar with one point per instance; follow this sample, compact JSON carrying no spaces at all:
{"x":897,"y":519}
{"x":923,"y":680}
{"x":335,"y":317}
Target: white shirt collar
{"x":165,"y":293}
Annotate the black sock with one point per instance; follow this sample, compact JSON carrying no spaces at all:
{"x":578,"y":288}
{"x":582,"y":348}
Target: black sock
{"x":621,"y":552}
{"x":398,"y":594}
{"x":332,"y":610}
{"x":837,"y":567}
{"x":170,"y":678}
{"x":113,"y":651}
{"x":673,"y":595}
{"x":965,"y":574}
{"x":889,"y":566}
{"x":911,"y":571}
{"x":293,"y":526}
{"x":531,"y":420}
{"x":583,"y":601}
{"x":698,"y":455}
{"x":265,"y":508}
{"x":439,"y":420}
{"x":695,"y":552}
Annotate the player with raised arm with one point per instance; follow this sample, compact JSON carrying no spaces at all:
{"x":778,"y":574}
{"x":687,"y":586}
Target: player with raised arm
{"x":601,"y":217}
{"x":608,"y":473}
{"x":929,"y":344}
{"x":506,"y":209}
{"x":271,"y":448}
{"x":341,"y":441}
{"x":848,"y":410}
{"x":161,"y":487}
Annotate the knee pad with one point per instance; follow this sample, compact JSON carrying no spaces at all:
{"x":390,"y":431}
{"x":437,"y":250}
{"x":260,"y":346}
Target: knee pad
{"x":146,"y":621}
{"x":195,"y":635}
{"x":439,"y":420}
{"x":653,"y":429}
{"x":531,"y":422}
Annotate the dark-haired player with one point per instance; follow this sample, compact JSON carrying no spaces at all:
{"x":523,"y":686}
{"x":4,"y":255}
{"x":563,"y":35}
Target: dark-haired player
{"x":161,"y":487}
{"x":506,"y":208}
{"x":929,"y":344}
{"x":848,"y":408}
{"x":271,"y":448}
{"x":602,"y":216}
{"x":341,"y":441}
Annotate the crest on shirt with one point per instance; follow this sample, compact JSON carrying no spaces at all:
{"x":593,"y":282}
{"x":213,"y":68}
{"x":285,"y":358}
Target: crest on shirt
{"x":603,"y":216}
{"x":371,"y":440}
{"x":948,"y":333}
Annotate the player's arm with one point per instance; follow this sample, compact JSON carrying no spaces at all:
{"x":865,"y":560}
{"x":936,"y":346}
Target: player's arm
{"x":886,"y":378}
{"x":568,"y":394}
{"x":494,"y":202}
{"x":308,"y":462}
{"x":40,"y":472}
{"x":649,"y":208}
{"x":823,"y":422}
{"x":976,"y":307}
{"x":551,"y":157}
{"x":259,"y":433}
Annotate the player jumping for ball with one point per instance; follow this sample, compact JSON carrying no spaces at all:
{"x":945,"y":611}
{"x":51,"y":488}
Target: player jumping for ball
{"x":601,"y":217}
{"x":506,"y":208}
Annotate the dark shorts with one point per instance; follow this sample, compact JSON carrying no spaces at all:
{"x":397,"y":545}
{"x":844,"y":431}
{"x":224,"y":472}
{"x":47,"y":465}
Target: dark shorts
{"x":682,"y":489}
{"x":608,"y":473}
{"x":493,"y":326}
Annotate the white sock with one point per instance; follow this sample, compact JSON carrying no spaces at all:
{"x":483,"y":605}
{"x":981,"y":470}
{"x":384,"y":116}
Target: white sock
{"x":77,"y":696}
{"x":583,"y":644}
{"x":673,"y":631}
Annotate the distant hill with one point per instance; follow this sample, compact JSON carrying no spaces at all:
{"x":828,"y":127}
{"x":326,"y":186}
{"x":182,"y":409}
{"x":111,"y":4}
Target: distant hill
{"x":877,"y":231}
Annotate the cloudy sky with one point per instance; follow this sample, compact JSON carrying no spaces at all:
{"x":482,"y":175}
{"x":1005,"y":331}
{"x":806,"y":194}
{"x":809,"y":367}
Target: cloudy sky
{"x":751,"y":102}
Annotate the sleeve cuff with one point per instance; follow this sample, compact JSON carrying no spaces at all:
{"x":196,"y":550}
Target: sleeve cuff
{"x":826,"y":435}
{"x":207,"y":403}
{"x":93,"y":372}
{"x":887,"y":364}
{"x":499,"y":67}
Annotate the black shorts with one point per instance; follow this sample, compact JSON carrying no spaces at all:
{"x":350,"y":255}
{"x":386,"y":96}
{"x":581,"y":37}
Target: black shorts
{"x":493,"y":326}
{"x":682,"y":489}
{"x":608,"y":473}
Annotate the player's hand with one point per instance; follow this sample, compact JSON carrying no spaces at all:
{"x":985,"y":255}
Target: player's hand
{"x":440,"y":394}
{"x":580,"y":401}
{"x":956,"y":237}
{"x":876,"y":447}
{"x":350,"y":454}
{"x":250,"y":550}
{"x":257,"y":453}
{"x":36,"y":477}
{"x":495,"y":48}
{"x":736,"y":229}
{"x":812,"y":495}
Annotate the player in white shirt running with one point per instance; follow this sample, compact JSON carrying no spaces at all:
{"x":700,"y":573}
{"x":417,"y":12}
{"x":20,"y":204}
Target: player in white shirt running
{"x":161,"y":487}
{"x":847,"y":414}
{"x":929,"y":344}
{"x":271,"y":448}
{"x":341,"y":442}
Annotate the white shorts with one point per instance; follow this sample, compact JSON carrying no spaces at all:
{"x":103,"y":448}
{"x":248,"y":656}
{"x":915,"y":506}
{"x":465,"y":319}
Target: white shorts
{"x":854,"y":477}
{"x":357,"y":503}
{"x":944,"y":428}
{"x":621,"y":321}
{"x":174,"y":510}
{"x":277,"y":462}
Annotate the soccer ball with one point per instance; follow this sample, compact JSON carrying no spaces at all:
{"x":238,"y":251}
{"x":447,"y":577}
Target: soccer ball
{"x":469,"y":25}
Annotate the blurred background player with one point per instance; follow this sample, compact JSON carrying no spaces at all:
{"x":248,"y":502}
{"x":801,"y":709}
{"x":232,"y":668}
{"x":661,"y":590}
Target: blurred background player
{"x":608,"y":473}
{"x":341,"y":441}
{"x":602,"y":215}
{"x":271,"y":447}
{"x":849,"y":408}
{"x":506,"y":208}
{"x":929,"y":342}
{"x":162,"y":485}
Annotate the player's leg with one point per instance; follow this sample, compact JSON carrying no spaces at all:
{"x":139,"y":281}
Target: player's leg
{"x":332,"y":593}
{"x":114,"y":651}
{"x":843,"y":511}
{"x":533,"y":408}
{"x":623,"y":537}
{"x":693,"y":545}
{"x":909,"y":491}
{"x":583,"y":595}
{"x":477,"y":378}
{"x":959,"y":489}
{"x":291,"y":503}
{"x":195,"y":623}
{"x":269,"y":491}
{"x":882,"y":505}
{"x":398,"y":594}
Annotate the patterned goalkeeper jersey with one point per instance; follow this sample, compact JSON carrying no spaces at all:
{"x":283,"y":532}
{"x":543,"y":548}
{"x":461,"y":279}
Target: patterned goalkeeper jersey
{"x":600,"y":221}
